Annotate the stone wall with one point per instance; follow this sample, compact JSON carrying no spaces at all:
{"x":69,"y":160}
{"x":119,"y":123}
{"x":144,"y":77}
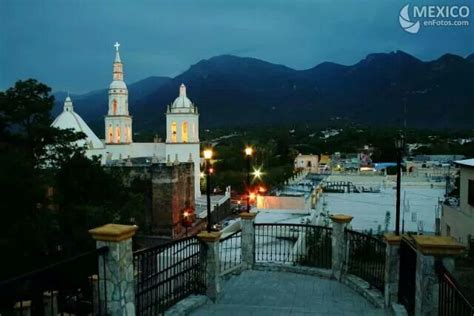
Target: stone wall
{"x":168,"y":189}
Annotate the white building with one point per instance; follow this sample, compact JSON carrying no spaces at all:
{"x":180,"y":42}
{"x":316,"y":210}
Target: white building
{"x":309,"y":163}
{"x":458,"y":221}
{"x":182,"y":129}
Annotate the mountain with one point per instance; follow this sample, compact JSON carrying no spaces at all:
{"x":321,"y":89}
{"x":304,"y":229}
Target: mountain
{"x":382,"y":89}
{"x":470,"y":58}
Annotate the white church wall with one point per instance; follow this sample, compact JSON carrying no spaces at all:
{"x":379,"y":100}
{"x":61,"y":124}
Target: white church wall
{"x":133,"y":150}
{"x":182,"y":152}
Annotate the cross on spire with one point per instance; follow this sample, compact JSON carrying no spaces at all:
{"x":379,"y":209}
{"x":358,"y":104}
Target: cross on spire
{"x":117,"y":45}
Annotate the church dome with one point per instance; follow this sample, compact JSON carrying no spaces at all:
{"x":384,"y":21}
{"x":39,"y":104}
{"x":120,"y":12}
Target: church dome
{"x":117,"y":85}
{"x":182,"y":102}
{"x":69,"y":119}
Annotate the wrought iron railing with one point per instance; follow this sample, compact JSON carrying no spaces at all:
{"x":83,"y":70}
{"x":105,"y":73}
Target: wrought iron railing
{"x":301,"y":244}
{"x":166,"y":274}
{"x":71,"y":286}
{"x":452,"y":302}
{"x":230,"y":252}
{"x":366,"y":258}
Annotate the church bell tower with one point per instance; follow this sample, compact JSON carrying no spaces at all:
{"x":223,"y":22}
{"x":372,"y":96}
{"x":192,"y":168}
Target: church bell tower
{"x":182,"y":134}
{"x":118,"y":122}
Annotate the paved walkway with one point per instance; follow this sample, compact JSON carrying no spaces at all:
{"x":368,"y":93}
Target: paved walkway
{"x":283,"y":293}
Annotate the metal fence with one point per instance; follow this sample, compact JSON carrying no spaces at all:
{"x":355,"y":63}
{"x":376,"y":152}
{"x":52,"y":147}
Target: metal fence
{"x":452,"y":302}
{"x":301,"y":244}
{"x":366,"y":258}
{"x":69,"y":287}
{"x":166,"y":274}
{"x":230,"y":252}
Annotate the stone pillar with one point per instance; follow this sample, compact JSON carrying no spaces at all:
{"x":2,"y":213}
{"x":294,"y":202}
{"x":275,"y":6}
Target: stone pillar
{"x":339,"y":244}
{"x":248,"y":239}
{"x":116,"y":268}
{"x":210,"y":255}
{"x":392,"y":268}
{"x":50,"y":303}
{"x":430,"y":249}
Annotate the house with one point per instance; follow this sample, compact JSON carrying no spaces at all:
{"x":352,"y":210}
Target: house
{"x":309,"y":163}
{"x":458,"y":220}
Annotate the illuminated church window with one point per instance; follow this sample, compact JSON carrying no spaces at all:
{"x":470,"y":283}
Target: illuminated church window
{"x":110,"y":133}
{"x":184,"y":132}
{"x":117,"y":134}
{"x":174,"y":129}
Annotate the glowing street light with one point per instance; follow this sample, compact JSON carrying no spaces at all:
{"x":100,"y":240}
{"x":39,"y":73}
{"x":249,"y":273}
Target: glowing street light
{"x":248,"y":155}
{"x":248,"y":151}
{"x":252,"y":196}
{"x":257,"y":173}
{"x":207,"y":153}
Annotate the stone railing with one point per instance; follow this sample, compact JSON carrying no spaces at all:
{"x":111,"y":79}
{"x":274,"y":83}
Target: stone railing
{"x":426,"y":250}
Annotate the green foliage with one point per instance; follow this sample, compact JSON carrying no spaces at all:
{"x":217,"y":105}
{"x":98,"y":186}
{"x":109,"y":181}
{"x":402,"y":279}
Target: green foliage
{"x":51,"y":193}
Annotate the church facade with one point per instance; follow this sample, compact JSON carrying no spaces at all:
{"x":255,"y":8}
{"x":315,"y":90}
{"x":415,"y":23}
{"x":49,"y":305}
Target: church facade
{"x":182,"y":129}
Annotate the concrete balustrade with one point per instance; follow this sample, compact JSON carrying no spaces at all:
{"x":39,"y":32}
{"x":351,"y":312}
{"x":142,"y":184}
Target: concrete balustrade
{"x":116,"y":268}
{"x":339,"y":244}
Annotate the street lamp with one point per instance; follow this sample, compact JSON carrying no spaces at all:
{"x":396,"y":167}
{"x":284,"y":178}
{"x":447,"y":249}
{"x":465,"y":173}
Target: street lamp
{"x":207,"y":157}
{"x":257,"y":173}
{"x":186,"y":221}
{"x":399,"y":145}
{"x":248,"y":156}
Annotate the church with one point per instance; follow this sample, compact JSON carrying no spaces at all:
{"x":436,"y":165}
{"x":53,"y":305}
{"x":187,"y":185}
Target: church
{"x":182,"y":129}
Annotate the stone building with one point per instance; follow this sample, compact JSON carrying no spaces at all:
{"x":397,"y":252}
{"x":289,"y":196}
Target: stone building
{"x":169,"y":192}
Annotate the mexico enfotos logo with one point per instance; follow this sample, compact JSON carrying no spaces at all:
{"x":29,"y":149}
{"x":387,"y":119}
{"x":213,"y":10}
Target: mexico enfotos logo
{"x":412,"y":18}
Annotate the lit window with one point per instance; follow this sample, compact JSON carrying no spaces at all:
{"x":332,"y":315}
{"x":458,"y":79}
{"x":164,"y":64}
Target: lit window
{"x":117,"y":134}
{"x":174,"y":128}
{"x":110,"y":133}
{"x":184,"y":132}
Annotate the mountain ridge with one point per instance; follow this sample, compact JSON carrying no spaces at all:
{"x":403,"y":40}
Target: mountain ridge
{"x":232,"y":90}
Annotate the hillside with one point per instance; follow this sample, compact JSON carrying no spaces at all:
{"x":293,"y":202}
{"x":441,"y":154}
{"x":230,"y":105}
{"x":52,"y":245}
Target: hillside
{"x":382,"y":89}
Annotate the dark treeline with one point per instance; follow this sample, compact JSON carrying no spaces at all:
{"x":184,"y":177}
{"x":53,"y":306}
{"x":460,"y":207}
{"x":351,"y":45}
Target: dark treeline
{"x":277,"y":146}
{"x":51,"y":194}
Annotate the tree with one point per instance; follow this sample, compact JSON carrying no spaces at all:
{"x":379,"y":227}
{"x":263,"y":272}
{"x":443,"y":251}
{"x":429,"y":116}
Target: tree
{"x":51,"y":193}
{"x":28,"y":145}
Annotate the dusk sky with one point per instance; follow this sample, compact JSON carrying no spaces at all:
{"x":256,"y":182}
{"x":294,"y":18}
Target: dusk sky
{"x":69,"y":44}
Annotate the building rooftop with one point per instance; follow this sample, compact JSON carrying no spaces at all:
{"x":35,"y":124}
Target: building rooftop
{"x":465,"y":162}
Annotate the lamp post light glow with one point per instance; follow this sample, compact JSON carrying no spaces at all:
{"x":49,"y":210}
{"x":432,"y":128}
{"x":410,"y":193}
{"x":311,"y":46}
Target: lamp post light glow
{"x":248,"y":155}
{"x":257,"y":173}
{"x":207,"y":157}
{"x":248,"y":151}
{"x":399,"y":145}
{"x":208,"y":154}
